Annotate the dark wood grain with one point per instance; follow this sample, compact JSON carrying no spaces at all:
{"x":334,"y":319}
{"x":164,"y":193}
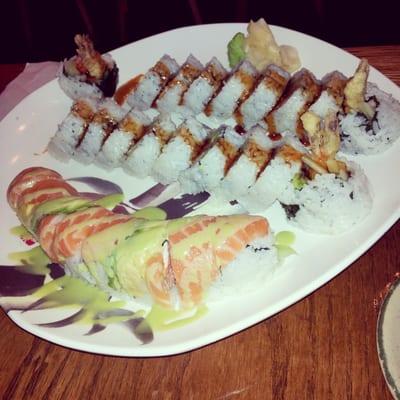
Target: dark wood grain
{"x":323,"y":347}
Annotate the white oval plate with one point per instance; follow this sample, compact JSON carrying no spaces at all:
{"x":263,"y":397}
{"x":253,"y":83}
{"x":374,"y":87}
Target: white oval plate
{"x":27,"y":129}
{"x":388,"y":338}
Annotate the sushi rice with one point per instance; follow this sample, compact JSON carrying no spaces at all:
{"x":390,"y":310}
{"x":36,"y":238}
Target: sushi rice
{"x":362,"y":136}
{"x":181,"y":151}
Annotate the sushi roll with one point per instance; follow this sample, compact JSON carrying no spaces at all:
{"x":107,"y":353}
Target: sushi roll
{"x":45,"y":191}
{"x":27,"y":179}
{"x":71,"y":232}
{"x":177,"y":263}
{"x":144,"y":153}
{"x":302,"y":90}
{"x":329,"y":195}
{"x":282,"y":171}
{"x":264,"y":97}
{"x":181,"y":151}
{"x":237,"y":87}
{"x":328,"y":203}
{"x":371,"y":123}
{"x":116,"y":147}
{"x":88,"y":73}
{"x":203,"y":88}
{"x":74,"y":126}
{"x":151,"y":84}
{"x":182,"y":263}
{"x":213,"y":165}
{"x":332,"y":95}
{"x":106,"y":119}
{"x":170,"y":97}
{"x":255,"y":155}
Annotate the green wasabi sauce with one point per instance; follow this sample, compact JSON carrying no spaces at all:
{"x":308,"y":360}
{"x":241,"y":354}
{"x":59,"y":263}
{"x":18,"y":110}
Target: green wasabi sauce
{"x":285,"y":238}
{"x":68,"y":291}
{"x":162,"y":319}
{"x":283,"y":243}
{"x":33,"y":261}
{"x":109,"y":201}
{"x":151,"y":213}
{"x":21,"y":232}
{"x":298,"y":182}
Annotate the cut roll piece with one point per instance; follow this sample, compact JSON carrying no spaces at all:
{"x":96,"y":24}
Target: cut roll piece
{"x":181,"y":151}
{"x":31,"y":200}
{"x":72,"y":129}
{"x":277,"y":177}
{"x":126,"y":134}
{"x":88,"y":74}
{"x":255,"y":155}
{"x":152,"y":83}
{"x":106,"y":119}
{"x":208,"y":255}
{"x":202,"y":89}
{"x":363,"y":135}
{"x":170,"y":97}
{"x":64,"y":237}
{"x":300,"y":92}
{"x":329,"y":204}
{"x":264,"y":97}
{"x":237,"y":88}
{"x":332,"y":95}
{"x":27,"y":179}
{"x":320,"y":122}
{"x":213,"y":165}
{"x":144,"y":153}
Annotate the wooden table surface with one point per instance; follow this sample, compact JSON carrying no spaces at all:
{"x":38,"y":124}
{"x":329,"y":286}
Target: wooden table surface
{"x":323,"y":347}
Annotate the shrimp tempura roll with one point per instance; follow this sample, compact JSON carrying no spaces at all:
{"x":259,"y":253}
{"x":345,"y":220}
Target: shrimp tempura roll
{"x":88,"y":73}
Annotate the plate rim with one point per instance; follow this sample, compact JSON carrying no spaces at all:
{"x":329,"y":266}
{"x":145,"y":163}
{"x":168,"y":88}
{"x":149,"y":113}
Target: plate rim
{"x":391,"y":383}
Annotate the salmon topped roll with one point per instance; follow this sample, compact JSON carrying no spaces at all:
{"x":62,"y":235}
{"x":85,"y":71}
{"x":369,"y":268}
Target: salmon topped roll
{"x":181,"y":263}
{"x":27,"y":179}
{"x":176,"y":264}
